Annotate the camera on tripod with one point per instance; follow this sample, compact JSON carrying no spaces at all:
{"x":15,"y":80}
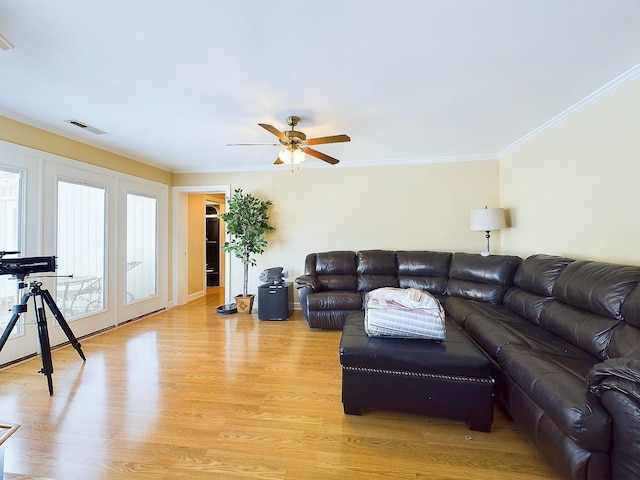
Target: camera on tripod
{"x":21,"y":267}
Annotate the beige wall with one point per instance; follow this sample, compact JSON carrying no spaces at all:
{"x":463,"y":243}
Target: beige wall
{"x":574,"y":190}
{"x":355,"y":208}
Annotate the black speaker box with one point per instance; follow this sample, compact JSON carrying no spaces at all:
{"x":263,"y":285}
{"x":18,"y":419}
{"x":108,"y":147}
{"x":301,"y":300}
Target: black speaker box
{"x":275,"y":302}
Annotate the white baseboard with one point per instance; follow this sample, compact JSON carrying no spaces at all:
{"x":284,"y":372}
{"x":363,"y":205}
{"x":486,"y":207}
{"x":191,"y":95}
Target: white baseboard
{"x":196,"y":295}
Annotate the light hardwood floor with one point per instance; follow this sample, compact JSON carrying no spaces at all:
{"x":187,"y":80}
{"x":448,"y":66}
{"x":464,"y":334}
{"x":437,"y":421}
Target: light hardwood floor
{"x":189,"y":394}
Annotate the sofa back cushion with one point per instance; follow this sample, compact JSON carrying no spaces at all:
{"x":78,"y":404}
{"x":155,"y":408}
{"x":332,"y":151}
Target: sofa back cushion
{"x":424,"y":270}
{"x":376,"y":269}
{"x":484,"y":279}
{"x":589,"y":331}
{"x":533,"y":284}
{"x":625,"y":340}
{"x":335,"y":270}
{"x":631,"y":308}
{"x":597,"y":287}
{"x":525,"y":304}
{"x":539,"y":273}
{"x":587,"y":305}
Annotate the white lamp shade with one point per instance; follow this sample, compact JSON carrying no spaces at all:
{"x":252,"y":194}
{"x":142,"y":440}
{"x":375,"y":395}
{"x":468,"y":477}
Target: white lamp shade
{"x":286,"y":155}
{"x":487,"y":219}
{"x":298,"y":156}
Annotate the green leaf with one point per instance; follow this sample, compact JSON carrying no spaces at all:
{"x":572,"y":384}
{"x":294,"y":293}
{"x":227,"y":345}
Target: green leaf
{"x":247,"y":221}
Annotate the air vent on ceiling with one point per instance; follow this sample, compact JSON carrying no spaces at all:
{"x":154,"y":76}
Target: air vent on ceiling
{"x":86,"y":127}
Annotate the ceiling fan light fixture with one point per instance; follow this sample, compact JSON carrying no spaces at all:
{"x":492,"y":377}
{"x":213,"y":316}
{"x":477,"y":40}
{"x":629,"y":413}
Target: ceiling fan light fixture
{"x":291,"y":155}
{"x":294,"y":146}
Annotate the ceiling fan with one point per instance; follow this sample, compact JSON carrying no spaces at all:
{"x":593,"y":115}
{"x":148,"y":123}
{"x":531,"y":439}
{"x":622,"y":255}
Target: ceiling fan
{"x":294,"y":144}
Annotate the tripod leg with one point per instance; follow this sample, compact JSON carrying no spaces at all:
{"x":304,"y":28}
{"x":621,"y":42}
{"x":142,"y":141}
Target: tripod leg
{"x":17,"y":310}
{"x":45,"y":345}
{"x":62,"y":322}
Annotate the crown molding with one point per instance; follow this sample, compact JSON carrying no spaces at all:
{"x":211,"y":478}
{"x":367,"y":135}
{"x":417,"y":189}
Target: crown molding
{"x":391,"y":162}
{"x":614,"y":85}
{"x":420,"y":161}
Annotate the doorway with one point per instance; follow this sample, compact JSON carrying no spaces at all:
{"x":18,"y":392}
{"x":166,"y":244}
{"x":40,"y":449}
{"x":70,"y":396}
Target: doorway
{"x":212,"y":243}
{"x":181,"y":250}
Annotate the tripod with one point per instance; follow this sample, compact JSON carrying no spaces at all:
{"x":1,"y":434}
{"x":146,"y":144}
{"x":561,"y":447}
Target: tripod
{"x":40,"y":297}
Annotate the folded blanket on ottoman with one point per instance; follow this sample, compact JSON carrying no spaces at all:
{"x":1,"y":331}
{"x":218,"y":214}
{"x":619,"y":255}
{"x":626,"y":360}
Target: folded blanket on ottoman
{"x":403,"y":313}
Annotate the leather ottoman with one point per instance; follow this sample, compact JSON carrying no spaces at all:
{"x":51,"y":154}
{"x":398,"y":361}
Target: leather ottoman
{"x":449,"y":378}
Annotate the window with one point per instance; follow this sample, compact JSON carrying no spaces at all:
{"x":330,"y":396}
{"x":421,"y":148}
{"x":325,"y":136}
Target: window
{"x":80,"y":249}
{"x":10,"y":218}
{"x":141,"y":279}
{"x":113,"y":242}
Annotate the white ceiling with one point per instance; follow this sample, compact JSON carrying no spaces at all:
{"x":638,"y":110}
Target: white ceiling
{"x":409,"y":80}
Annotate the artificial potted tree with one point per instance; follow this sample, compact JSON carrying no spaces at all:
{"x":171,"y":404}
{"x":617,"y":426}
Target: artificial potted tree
{"x":247,"y":221}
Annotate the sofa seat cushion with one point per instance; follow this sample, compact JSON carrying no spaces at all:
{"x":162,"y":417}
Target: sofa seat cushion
{"x":503,"y":327}
{"x":457,"y":356}
{"x":334,"y":300}
{"x":557,"y":385}
{"x":459,"y":309}
{"x":328,"y":319}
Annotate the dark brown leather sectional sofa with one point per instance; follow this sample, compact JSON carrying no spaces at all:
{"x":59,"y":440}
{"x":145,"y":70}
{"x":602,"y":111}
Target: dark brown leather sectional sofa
{"x":562,"y":338}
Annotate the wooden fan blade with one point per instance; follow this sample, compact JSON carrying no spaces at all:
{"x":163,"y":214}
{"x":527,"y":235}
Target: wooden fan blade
{"x":276,"y":132}
{"x":321,"y":156}
{"x":329,"y":139}
{"x":278,"y":161}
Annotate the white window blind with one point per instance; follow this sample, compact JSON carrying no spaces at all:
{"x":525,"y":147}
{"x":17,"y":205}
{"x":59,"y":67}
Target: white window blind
{"x":80,"y":249}
{"x":142,"y":241}
{"x":10,"y":187}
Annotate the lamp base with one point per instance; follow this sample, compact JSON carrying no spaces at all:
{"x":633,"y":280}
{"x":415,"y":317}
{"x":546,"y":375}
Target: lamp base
{"x":485,"y":253}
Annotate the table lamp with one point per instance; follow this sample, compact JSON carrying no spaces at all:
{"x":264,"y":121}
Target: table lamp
{"x":487,"y":219}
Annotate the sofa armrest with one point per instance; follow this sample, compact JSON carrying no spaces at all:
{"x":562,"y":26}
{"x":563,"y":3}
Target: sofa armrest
{"x":307,"y":284}
{"x":309,"y":281}
{"x":616,"y":382}
{"x":617,"y":374}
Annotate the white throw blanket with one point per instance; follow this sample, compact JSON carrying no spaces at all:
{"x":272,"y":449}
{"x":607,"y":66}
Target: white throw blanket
{"x":403,"y":313}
